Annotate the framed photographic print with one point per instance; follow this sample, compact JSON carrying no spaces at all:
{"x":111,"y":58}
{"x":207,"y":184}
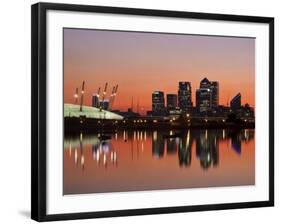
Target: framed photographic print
{"x":139,"y":111}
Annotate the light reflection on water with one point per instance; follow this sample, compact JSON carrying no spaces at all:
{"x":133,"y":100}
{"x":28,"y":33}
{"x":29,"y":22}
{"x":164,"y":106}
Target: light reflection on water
{"x":138,"y":160}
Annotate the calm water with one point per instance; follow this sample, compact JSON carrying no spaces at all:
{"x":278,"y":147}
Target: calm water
{"x":154,"y":160}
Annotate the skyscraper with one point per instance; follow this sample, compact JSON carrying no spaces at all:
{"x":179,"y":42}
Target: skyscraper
{"x":158,"y":103}
{"x":95,"y":100}
{"x":203,"y":99}
{"x":205,"y":83}
{"x":184,"y":96}
{"x":172,"y":101}
{"x":207,"y":96}
{"x":235,"y":103}
{"x":215,"y":93}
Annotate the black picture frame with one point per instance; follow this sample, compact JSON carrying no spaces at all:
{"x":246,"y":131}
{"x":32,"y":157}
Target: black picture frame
{"x":38,"y":110}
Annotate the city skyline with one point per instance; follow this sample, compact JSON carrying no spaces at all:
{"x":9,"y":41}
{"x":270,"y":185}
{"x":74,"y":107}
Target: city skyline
{"x":147,"y":80}
{"x":206,"y":99}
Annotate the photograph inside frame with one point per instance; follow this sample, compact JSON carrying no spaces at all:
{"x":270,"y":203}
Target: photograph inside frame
{"x":157,"y":111}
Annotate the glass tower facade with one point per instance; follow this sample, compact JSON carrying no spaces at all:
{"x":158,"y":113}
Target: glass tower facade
{"x":158,"y":103}
{"x":207,"y":96}
{"x":184,"y":96}
{"x":235,"y":103}
{"x":172,"y":101}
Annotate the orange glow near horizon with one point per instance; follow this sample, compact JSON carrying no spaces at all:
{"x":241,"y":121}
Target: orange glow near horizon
{"x":141,"y":63}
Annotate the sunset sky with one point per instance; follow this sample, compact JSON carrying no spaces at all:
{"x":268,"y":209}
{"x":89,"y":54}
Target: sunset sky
{"x":141,"y":63}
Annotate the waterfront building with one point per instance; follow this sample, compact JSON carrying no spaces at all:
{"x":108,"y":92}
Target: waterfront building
{"x":172,"y":101}
{"x":175,"y":114}
{"x":95,"y":100}
{"x":127,"y":114}
{"x":184,"y":96}
{"x":222,"y":111}
{"x":203,"y":99}
{"x":215,"y":93}
{"x":205,"y":83}
{"x":104,"y":104}
{"x":235,"y":103}
{"x":158,"y":103}
{"x":248,"y":112}
{"x":214,"y":87}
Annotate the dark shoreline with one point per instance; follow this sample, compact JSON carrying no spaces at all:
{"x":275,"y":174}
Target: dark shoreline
{"x":77,"y":125}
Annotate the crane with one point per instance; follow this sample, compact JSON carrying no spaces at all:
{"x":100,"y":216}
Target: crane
{"x":104,"y":94}
{"x":98,"y":96}
{"x":114,"y":95}
{"x":111,"y":97}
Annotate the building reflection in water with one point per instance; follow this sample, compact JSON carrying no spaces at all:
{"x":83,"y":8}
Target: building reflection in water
{"x":236,"y":143}
{"x":103,"y":153}
{"x":240,"y":136}
{"x":82,"y":158}
{"x":207,"y":148}
{"x":172,"y":142}
{"x":157,"y":144}
{"x":184,"y":150}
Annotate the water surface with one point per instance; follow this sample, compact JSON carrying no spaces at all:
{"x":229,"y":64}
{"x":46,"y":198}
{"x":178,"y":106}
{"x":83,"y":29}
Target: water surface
{"x":155,"y":160}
